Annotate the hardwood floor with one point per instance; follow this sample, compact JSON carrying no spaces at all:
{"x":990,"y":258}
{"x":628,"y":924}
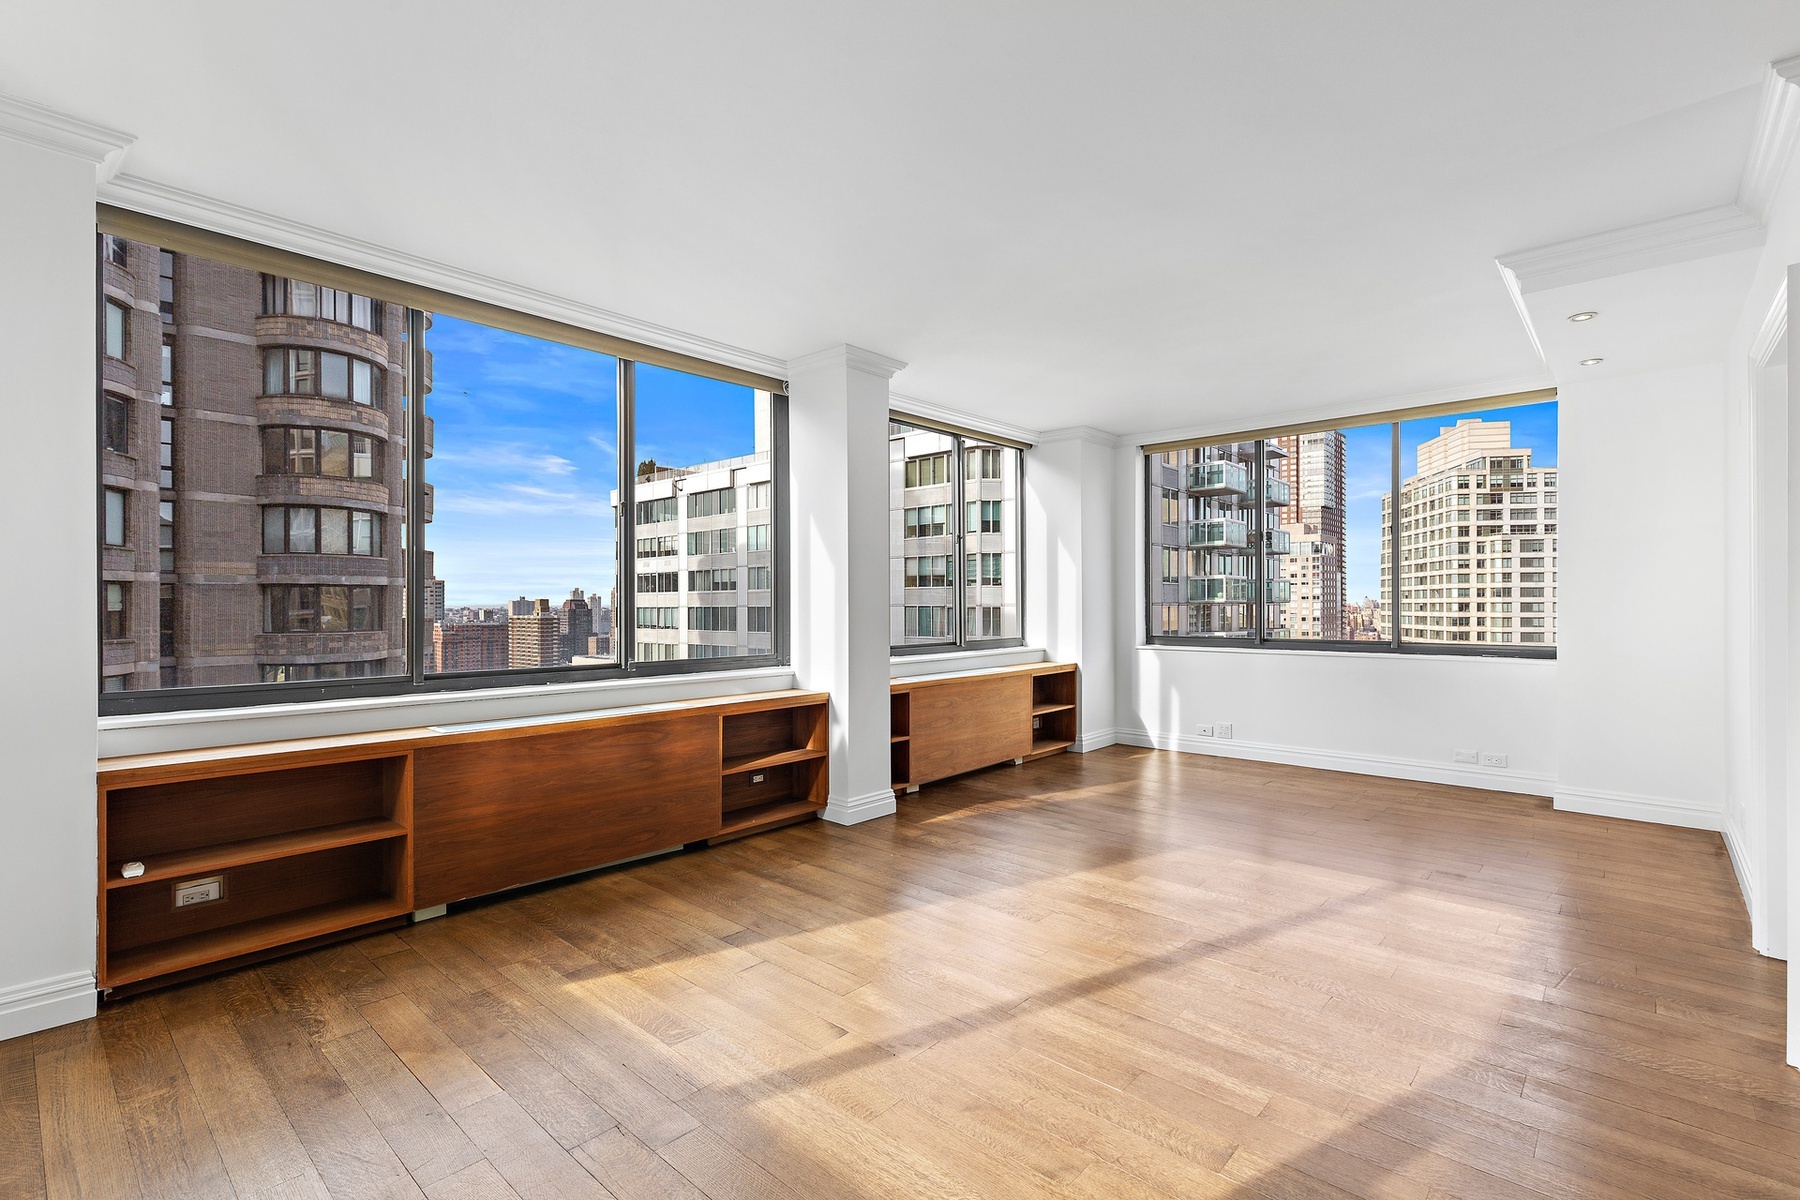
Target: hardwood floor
{"x":1124,"y":974}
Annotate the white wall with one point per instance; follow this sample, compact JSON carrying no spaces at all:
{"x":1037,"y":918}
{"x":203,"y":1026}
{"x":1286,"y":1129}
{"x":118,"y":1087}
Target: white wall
{"x":1641,"y":599}
{"x":48,"y":706}
{"x":1069,"y":605}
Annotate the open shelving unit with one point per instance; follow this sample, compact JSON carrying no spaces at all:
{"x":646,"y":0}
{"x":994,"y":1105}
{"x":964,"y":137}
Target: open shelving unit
{"x":771,"y":769}
{"x":944,"y":725}
{"x":1053,"y":714}
{"x":297,"y":852}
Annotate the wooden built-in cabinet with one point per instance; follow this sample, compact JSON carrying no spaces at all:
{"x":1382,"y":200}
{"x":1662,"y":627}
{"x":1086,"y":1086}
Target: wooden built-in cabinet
{"x":320,"y":838}
{"x":944,"y":725}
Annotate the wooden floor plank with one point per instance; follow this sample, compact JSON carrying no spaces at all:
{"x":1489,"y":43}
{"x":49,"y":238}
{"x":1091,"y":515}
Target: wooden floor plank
{"x":1126,"y":975}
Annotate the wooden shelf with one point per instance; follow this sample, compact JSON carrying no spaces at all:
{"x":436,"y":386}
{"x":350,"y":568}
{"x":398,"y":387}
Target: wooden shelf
{"x":757,"y":762}
{"x":898,"y":738}
{"x":1044,"y":745}
{"x":161,"y":958}
{"x":1038,"y":710}
{"x":236,"y":854}
{"x":759,"y":816}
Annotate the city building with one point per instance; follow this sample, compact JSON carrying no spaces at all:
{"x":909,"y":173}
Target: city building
{"x":251,"y":476}
{"x":1312,"y":466}
{"x":1477,"y":541}
{"x":703,"y":564}
{"x":1203,"y":544}
{"x":534,"y":639}
{"x":471,"y":646}
{"x":935,"y":533}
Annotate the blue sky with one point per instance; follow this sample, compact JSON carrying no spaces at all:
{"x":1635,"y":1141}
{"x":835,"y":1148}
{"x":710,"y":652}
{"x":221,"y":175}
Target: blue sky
{"x":1367,"y":479}
{"x":526,"y":456}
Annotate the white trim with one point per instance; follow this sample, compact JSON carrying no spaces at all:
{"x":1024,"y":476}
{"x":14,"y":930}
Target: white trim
{"x":855,"y":810}
{"x":1097,"y":739}
{"x":25,"y":121}
{"x":853,"y":358}
{"x":1416,"y":650}
{"x":1510,"y":280}
{"x":910,"y":666}
{"x":146,"y":733}
{"x":1341,"y":414}
{"x":1773,"y":328}
{"x":1741,"y":867}
{"x":1657,"y":810}
{"x":1709,"y":231}
{"x":1082,"y":433}
{"x":1777,"y":127}
{"x":189,"y":208}
{"x":46,"y":1003}
{"x":1385,"y":765}
{"x":913,"y":406}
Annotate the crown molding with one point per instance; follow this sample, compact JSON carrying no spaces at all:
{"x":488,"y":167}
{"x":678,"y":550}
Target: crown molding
{"x":847,"y":356}
{"x":1774,"y":327}
{"x":915,"y":407}
{"x":1659,"y":243}
{"x":1344,"y":414}
{"x":189,"y":208}
{"x":1777,"y":129}
{"x":25,"y":121}
{"x":1082,"y":433}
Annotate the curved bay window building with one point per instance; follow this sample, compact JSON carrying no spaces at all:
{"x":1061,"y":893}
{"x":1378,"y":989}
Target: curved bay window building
{"x":1213,"y":512}
{"x":253,"y":474}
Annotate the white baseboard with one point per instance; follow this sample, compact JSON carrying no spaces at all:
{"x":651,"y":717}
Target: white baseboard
{"x":1743,"y":866}
{"x":854,"y":810}
{"x":1388,"y":766}
{"x":1657,"y":810}
{"x":1097,"y":739}
{"x":46,"y":1003}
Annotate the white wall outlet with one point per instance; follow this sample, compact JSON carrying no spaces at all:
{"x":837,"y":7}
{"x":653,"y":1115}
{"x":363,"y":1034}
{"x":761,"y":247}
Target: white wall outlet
{"x":1204,"y":730}
{"x":199,"y":891}
{"x":1492,"y":760}
{"x":756,"y":779}
{"x":1466,"y":756}
{"x":1223,"y":731}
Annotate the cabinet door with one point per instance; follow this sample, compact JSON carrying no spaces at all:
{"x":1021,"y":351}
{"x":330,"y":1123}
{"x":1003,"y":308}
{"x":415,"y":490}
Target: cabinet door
{"x":969,"y":723}
{"x":496,"y":814}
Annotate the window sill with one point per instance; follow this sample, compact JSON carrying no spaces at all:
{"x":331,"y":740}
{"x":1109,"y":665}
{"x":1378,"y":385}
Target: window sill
{"x":935,"y":664}
{"x":192,"y":729}
{"x":1383,"y":654}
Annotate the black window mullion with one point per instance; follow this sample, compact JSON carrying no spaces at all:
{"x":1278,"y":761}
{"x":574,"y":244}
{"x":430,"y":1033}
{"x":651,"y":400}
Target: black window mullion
{"x":1259,"y":588}
{"x":958,"y":518}
{"x":1394,"y":537}
{"x":415,"y":496}
{"x":625,"y":552}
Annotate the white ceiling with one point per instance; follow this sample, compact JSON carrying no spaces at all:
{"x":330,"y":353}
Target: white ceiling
{"x":1128,"y":215}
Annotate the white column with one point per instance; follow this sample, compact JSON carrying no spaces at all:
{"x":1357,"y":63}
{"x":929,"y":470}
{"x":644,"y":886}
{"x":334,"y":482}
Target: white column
{"x":1791,"y":775}
{"x":1070,"y":569}
{"x":837,"y":468}
{"x":49,"y":656}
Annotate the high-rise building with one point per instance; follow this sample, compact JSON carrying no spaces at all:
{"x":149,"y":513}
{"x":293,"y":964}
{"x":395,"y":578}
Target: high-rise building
{"x":574,"y":625}
{"x":1477,"y":552}
{"x":1312,"y":467}
{"x":533,"y":638}
{"x":518,"y":608}
{"x":703,"y":562}
{"x":1203,"y":541}
{"x":934,"y":521}
{"x":253,"y":437}
{"x":471,"y":646}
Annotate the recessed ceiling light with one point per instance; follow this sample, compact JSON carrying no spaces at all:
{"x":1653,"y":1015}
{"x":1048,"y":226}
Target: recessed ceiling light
{"x":1583,"y":316}
{"x":1592,"y":362}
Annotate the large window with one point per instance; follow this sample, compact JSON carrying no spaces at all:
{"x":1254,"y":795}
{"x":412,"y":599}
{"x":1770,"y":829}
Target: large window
{"x":361,"y":496}
{"x":1293,"y":540}
{"x":955,"y":550}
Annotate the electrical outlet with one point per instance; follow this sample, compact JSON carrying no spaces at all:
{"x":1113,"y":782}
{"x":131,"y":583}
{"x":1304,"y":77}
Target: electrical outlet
{"x":1492,"y":760}
{"x":1204,"y":730}
{"x":199,"y":891}
{"x":1037,"y":722}
{"x":1223,"y":731}
{"x":756,"y":779}
{"x":1466,"y":756}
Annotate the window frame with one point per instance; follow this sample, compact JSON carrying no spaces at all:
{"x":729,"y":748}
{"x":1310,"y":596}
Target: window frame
{"x":957,"y":639}
{"x":416,"y":681}
{"x":1151,"y":571}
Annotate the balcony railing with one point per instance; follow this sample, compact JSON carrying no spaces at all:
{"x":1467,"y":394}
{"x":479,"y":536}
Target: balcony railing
{"x":1277,"y":541}
{"x":1220,"y":589}
{"x":1222,"y":478}
{"x":1279,"y":591}
{"x":1277,"y":491}
{"x":1223,"y":533}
